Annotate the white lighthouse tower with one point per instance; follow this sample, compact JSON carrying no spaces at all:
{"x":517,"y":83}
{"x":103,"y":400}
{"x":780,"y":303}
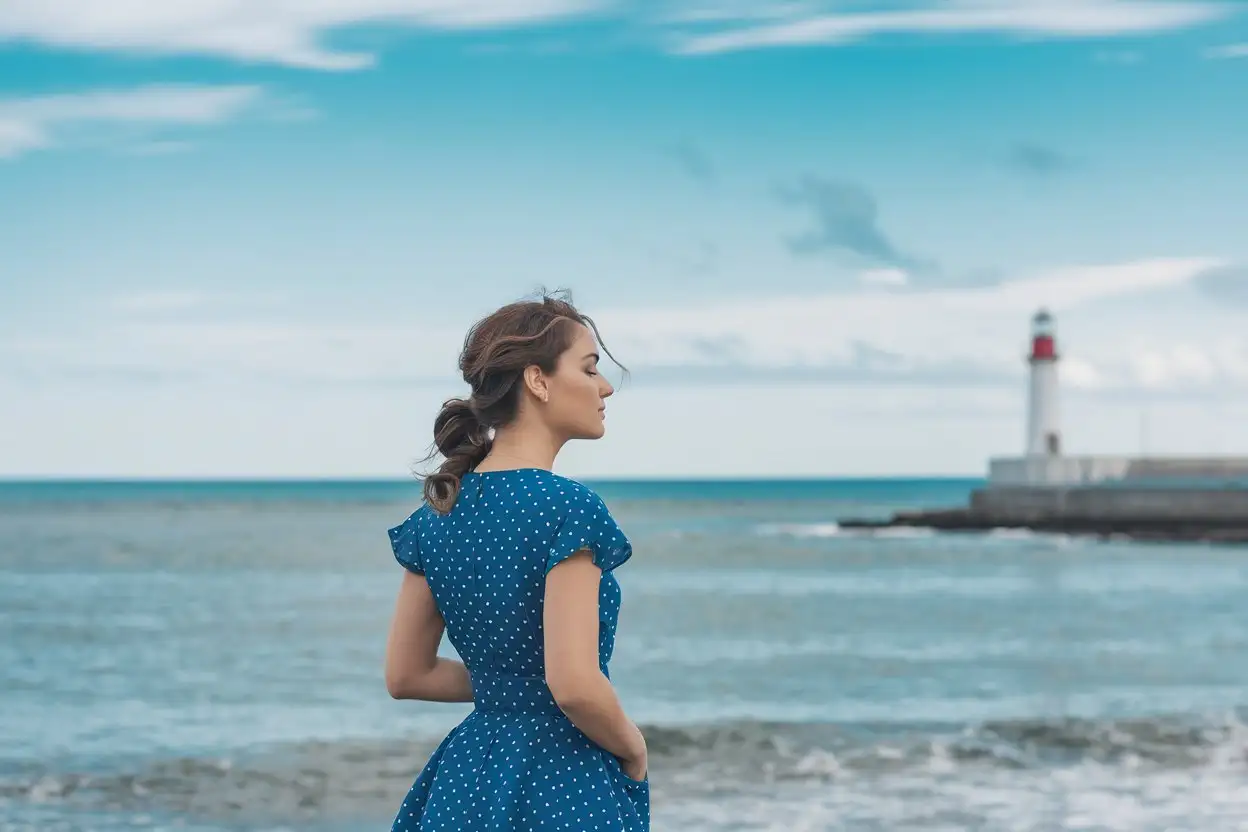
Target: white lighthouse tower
{"x":1047,"y":481}
{"x":1043,"y":433}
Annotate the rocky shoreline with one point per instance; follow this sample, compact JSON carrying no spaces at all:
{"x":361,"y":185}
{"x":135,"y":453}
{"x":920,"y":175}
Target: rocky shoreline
{"x":1142,"y":528}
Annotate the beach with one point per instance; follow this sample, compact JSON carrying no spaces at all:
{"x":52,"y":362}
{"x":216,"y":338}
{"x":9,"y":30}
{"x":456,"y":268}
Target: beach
{"x":208,"y":656}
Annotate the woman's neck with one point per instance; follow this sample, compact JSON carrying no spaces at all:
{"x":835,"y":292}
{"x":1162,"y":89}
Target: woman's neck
{"x":513,"y":449}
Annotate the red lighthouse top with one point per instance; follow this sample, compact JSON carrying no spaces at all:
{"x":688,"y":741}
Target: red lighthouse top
{"x":1043,"y":345}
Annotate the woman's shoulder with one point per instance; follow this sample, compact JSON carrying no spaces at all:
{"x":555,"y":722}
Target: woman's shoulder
{"x":540,"y":490}
{"x":584,"y":521}
{"x":547,"y":493}
{"x":413,"y":524}
{"x":574,"y":493}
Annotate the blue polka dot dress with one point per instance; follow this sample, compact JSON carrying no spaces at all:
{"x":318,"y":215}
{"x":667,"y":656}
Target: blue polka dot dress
{"x":516,"y":763}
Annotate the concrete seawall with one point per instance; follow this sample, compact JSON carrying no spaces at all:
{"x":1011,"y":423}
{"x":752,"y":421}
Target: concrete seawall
{"x":1022,"y":505}
{"x":1139,"y":513}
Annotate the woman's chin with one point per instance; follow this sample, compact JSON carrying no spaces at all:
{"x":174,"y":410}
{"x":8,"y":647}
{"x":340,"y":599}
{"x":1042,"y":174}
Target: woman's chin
{"x":593,"y":431}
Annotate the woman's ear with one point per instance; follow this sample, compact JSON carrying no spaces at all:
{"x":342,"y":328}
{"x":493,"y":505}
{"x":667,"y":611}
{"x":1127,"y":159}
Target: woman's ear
{"x":535,"y":381}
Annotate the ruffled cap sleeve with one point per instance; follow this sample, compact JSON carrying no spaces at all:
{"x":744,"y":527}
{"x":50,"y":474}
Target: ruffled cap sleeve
{"x":588,"y":524}
{"x":405,"y":541}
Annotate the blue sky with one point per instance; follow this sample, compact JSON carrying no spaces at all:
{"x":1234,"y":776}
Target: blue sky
{"x":246,"y":239}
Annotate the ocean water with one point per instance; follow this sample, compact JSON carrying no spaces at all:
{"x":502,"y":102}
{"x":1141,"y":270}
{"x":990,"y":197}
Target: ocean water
{"x":208,"y":657}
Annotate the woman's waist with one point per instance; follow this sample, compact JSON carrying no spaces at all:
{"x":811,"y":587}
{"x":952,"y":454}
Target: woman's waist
{"x":500,"y":692}
{"x":497,"y":692}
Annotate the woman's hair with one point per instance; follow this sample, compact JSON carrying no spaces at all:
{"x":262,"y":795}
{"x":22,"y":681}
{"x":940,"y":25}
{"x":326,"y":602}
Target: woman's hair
{"x":496,"y":351}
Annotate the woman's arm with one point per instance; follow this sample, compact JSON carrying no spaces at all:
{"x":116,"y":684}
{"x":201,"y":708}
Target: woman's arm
{"x":413,"y":668}
{"x":575,"y":679}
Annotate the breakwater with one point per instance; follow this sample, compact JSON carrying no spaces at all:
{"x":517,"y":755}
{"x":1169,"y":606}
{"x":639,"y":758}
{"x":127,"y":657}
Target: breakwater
{"x":1141,"y":513}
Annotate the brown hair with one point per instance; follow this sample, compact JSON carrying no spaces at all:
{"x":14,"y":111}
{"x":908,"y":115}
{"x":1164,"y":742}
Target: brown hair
{"x":496,"y":351}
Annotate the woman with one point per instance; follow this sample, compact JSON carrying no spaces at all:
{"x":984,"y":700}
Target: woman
{"x":514,"y":563}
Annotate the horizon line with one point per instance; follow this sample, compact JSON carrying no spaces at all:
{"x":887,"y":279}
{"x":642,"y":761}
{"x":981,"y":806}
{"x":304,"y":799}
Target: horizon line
{"x":371,"y":479}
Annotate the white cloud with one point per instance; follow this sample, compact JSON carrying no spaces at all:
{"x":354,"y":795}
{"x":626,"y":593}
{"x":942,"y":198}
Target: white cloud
{"x":968,"y":335}
{"x":1233,"y":50}
{"x":884,"y":277}
{"x":19,"y":135}
{"x":226,"y":347}
{"x":1067,"y":288}
{"x":145,"y":305}
{"x":736,"y":11}
{"x":1079,"y":372}
{"x":180,"y":383}
{"x":299,"y":33}
{"x":1035,"y":18}
{"x":28,"y":124}
{"x":161,"y":147}
{"x":278,"y":31}
{"x":1177,"y":364}
{"x":975,"y":330}
{"x":1118,"y":57}
{"x":160,"y":301}
{"x":1166,"y":366}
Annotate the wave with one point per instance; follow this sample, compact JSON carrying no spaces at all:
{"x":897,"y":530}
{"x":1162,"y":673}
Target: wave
{"x":832,"y":529}
{"x":1163,"y":742}
{"x":350,"y":777}
{"x":320,"y":780}
{"x":1180,"y":772}
{"x":798,"y":530}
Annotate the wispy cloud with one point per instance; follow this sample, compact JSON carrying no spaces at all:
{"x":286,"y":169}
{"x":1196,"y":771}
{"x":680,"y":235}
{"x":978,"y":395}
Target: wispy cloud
{"x":299,"y":34}
{"x":1227,"y":284}
{"x":871,"y":336}
{"x":160,"y":301}
{"x":688,"y":257}
{"x":884,"y":277}
{"x":1063,"y":19}
{"x":845,"y":217}
{"x":701,"y":258}
{"x":145,"y":305}
{"x":865,"y":336}
{"x":693,"y":161}
{"x":1118,"y":57}
{"x":1038,"y":160}
{"x":161,"y":147}
{"x":736,"y":11}
{"x":29,"y":124}
{"x":270,"y":31}
{"x":1231,"y":50}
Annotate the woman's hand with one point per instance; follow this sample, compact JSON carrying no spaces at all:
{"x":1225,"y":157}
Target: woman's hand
{"x":636,"y":764}
{"x":635,"y":767}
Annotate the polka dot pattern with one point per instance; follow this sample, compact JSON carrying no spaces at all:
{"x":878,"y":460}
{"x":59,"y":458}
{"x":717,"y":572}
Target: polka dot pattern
{"x":516,"y":762}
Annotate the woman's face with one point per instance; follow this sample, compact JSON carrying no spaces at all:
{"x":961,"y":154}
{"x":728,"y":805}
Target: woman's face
{"x":577,"y":392}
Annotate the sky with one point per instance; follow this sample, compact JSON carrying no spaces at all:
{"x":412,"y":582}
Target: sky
{"x":246,"y":239}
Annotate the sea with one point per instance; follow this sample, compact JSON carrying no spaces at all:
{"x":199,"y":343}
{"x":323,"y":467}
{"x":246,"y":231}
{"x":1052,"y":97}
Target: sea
{"x":207,"y":657}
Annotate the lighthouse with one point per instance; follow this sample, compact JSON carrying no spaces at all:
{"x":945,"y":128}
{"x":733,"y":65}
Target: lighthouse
{"x":1043,"y":433}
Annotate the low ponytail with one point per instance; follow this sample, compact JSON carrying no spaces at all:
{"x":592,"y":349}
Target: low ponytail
{"x":461,"y":437}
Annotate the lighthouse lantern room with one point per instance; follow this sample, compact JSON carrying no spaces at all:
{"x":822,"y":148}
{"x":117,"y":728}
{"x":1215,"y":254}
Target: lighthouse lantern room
{"x":1043,"y":433}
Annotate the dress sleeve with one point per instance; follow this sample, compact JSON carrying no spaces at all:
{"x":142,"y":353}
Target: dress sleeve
{"x":405,"y":541}
{"x":589,"y":525}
